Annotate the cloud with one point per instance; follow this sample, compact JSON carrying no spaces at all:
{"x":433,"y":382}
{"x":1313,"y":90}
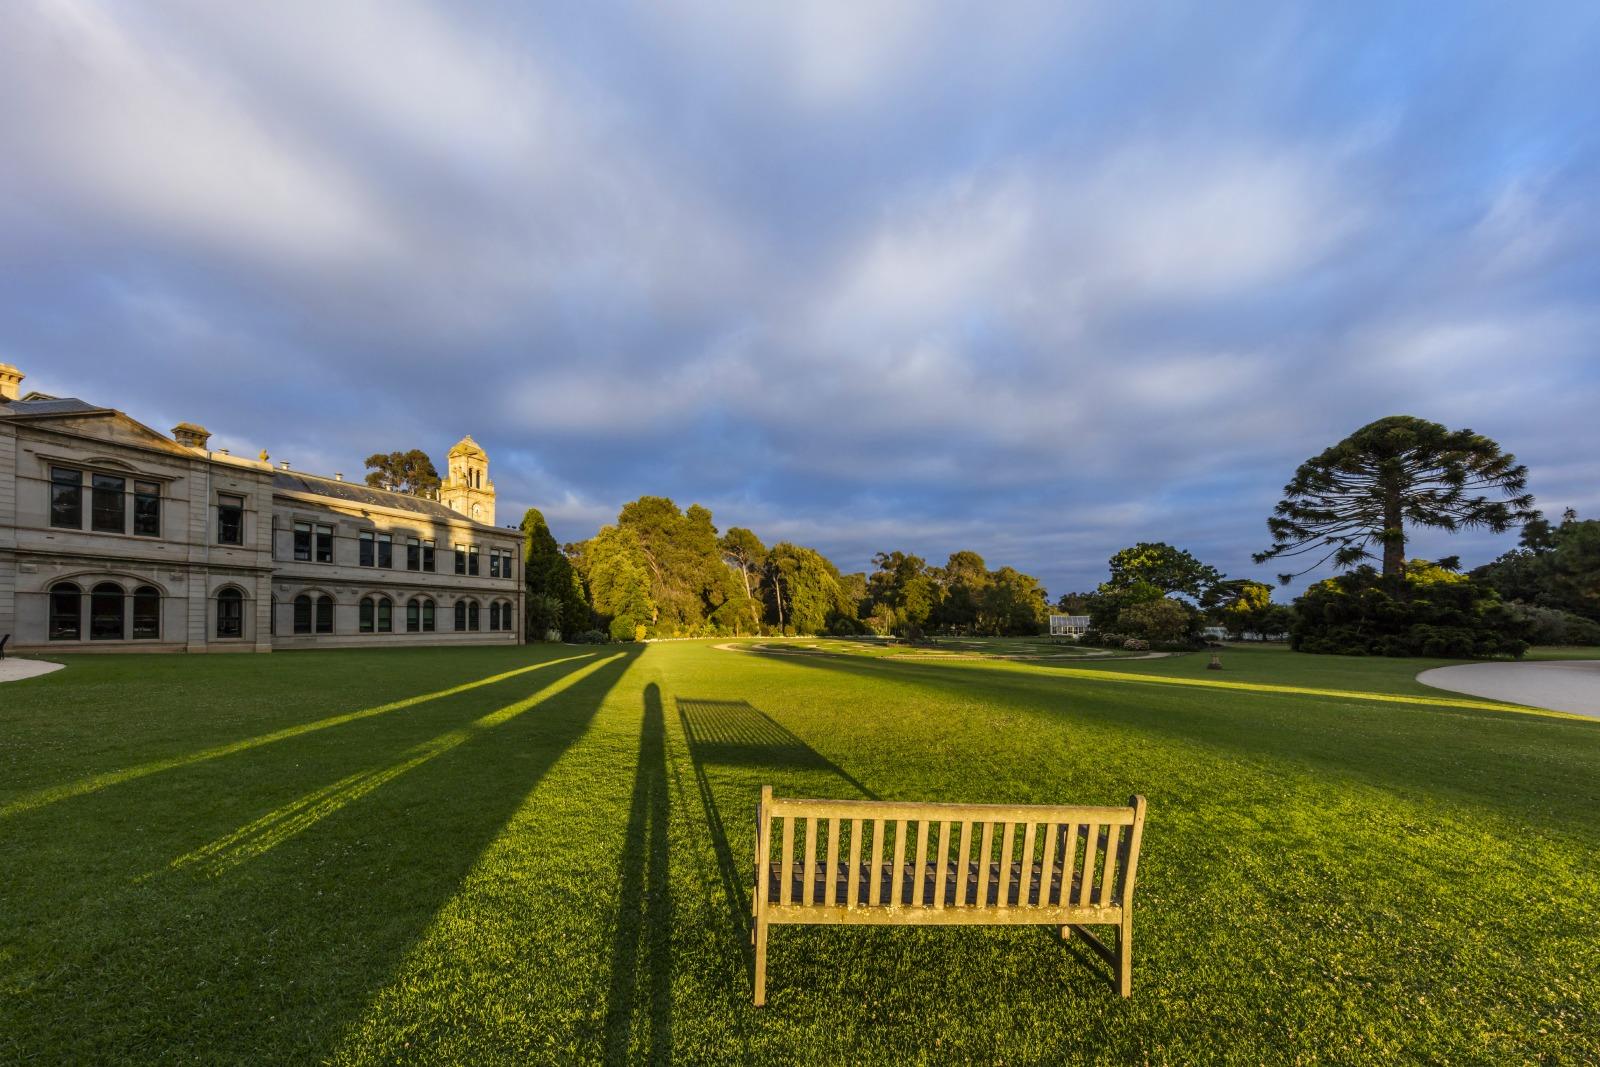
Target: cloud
{"x":1031,"y":281}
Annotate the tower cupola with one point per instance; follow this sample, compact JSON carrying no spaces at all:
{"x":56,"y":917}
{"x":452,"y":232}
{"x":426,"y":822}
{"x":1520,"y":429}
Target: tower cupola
{"x":467,"y":488}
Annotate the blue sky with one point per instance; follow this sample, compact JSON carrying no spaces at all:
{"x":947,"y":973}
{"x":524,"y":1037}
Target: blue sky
{"x":1031,"y":279}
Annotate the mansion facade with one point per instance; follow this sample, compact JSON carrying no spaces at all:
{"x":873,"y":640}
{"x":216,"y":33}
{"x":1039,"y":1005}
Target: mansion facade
{"x":116,"y":537}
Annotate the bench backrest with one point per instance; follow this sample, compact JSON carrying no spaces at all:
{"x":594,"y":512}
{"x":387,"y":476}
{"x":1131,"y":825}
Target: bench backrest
{"x":864,"y":853}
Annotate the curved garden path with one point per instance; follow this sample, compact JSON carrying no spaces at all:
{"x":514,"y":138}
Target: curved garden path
{"x":14,"y":670}
{"x":1560,"y":685}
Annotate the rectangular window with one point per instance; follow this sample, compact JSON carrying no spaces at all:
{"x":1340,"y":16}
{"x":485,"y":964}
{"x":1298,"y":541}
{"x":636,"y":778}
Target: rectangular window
{"x":472,"y":560}
{"x":461,"y":559}
{"x":367,"y":556}
{"x":427,"y":555}
{"x":109,"y":509}
{"x":66,"y":498}
{"x":494,"y":563}
{"x":147,"y":509}
{"x":230,"y":520}
{"x":324,"y":544}
{"x":413,"y":554}
{"x":385,"y":550}
{"x":302,"y":543}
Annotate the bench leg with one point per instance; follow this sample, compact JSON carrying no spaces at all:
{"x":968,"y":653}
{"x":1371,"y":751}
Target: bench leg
{"x":1066,"y":933}
{"x":1125,"y":955}
{"x":761,"y":962}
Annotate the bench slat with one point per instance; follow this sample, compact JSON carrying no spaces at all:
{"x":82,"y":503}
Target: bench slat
{"x":983,"y":865}
{"x":1108,"y":886}
{"x":1052,"y":831}
{"x":830,"y":895}
{"x":1005,"y":862}
{"x":852,"y":895}
{"x":875,"y":895}
{"x":787,"y":863}
{"x":895,"y":897}
{"x":808,"y":887}
{"x":1025,"y":894}
{"x":1091,"y":838}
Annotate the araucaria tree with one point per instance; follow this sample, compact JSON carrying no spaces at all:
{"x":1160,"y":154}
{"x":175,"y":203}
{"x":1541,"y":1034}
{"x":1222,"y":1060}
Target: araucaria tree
{"x":1355,"y":500}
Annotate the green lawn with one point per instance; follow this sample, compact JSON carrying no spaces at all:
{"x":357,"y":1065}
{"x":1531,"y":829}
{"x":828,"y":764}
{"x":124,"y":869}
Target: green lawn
{"x":517,"y":855}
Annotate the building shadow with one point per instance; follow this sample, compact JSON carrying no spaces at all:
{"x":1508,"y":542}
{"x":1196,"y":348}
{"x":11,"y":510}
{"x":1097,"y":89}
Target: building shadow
{"x":334,"y":907}
{"x":737,"y":734}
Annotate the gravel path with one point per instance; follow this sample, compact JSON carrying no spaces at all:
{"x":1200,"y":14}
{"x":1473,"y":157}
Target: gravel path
{"x":12,"y":670}
{"x":1560,"y":685}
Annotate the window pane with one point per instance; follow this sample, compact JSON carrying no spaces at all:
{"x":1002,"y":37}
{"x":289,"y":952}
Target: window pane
{"x":365,"y":623}
{"x":302,"y":614}
{"x":146,"y":612}
{"x":461,"y":559}
{"x":302,"y":542}
{"x":385,"y":550}
{"x":147,"y":509}
{"x":325,"y":615}
{"x":365,"y":555}
{"x":230,"y":520}
{"x":427,"y":616}
{"x":105,"y":613}
{"x":109,"y":509}
{"x":461,"y":615}
{"x":230,"y":613}
{"x":324,"y":544}
{"x":66,"y":609}
{"x":427,"y":555}
{"x":472,"y":560}
{"x":66,"y":498}
{"x":472,"y":615}
{"x":413,"y":616}
{"x":413,"y":554}
{"x":385,"y":615}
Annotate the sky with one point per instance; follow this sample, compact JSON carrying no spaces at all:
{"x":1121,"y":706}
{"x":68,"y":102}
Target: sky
{"x":1038,"y":280}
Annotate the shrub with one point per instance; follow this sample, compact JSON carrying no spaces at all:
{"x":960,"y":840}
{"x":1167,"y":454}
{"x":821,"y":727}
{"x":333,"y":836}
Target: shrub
{"x":1136,"y":644}
{"x":1157,"y":620}
{"x":1552,"y":626}
{"x":1431,"y":612}
{"x":590,"y":637}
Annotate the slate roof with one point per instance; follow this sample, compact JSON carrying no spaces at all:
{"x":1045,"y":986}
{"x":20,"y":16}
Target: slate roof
{"x":358,"y":493}
{"x":52,"y":406}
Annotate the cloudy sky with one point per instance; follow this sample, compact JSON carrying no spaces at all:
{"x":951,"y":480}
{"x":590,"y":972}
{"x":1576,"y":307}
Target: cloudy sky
{"x":1032,"y":280}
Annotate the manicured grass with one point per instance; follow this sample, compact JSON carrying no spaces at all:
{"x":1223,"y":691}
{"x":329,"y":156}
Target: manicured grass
{"x":521,"y":855}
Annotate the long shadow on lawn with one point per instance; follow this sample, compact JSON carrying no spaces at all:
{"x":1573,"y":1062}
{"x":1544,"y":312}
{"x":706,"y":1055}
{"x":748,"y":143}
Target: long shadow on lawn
{"x":641,"y":952}
{"x":283,"y":952}
{"x":735,"y":733}
{"x":1393,"y":746}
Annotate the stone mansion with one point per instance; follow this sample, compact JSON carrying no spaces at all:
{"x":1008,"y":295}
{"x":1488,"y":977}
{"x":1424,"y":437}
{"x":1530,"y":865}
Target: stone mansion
{"x":116,"y":537}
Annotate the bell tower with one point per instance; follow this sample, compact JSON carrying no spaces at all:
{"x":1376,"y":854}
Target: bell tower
{"x":467,"y":489}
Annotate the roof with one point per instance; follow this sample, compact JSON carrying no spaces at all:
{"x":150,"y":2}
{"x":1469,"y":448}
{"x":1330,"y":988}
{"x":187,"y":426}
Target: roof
{"x":468,"y":447}
{"x":358,"y":493}
{"x":49,"y":406}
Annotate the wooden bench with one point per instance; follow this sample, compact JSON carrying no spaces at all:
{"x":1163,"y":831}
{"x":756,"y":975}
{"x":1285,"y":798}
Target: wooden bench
{"x":844,"y":862}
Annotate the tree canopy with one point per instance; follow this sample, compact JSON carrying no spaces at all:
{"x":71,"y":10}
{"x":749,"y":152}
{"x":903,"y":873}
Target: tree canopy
{"x":402,"y":472}
{"x":1358,"y":496}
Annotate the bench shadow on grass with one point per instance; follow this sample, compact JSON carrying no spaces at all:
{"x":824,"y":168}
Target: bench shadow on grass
{"x":219,"y":960}
{"x":736,"y":734}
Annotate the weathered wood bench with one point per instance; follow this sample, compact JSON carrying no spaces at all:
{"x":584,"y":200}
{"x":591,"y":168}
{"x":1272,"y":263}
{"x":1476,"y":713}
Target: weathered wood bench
{"x":846,"y":862}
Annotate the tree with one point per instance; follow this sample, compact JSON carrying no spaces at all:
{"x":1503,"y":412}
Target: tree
{"x":1073,"y":604}
{"x":902,"y":583}
{"x":555,"y":593}
{"x":1157,"y":620}
{"x":1361,"y":494}
{"x":1158,"y":564}
{"x":1558,"y":567}
{"x":402,"y":472}
{"x":807,"y":588}
{"x":1013,"y":603}
{"x":618,"y":577}
{"x":743,"y":551}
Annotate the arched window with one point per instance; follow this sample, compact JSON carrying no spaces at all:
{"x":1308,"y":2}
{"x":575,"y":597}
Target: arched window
{"x":427,"y":615}
{"x":146,"y":613}
{"x":413,"y":616}
{"x":302,"y":614}
{"x":272,"y":620}
{"x":461,"y":615}
{"x":324,"y":614}
{"x":494,"y":615}
{"x":366,"y":615}
{"x":106,"y":610}
{"x":472,"y":615}
{"x":66,"y":612}
{"x":230,"y":613}
{"x":385,"y":615}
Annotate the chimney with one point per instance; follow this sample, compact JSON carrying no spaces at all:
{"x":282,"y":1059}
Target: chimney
{"x":338,"y":477}
{"x":10,"y":382}
{"x":284,"y":465}
{"x":191,"y":435}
